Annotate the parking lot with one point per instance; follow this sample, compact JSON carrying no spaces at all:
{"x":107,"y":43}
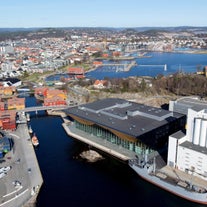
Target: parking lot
{"x":22,"y":181}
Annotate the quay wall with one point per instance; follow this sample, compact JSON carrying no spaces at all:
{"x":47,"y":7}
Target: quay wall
{"x":24,"y":169}
{"x":95,"y":144}
{"x":105,"y":147}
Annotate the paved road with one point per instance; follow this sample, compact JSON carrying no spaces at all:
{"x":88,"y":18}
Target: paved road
{"x":24,"y":169}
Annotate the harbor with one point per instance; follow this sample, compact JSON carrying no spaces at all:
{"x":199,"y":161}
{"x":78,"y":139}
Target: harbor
{"x":120,"y":67}
{"x":21,"y":184}
{"x":92,"y":141}
{"x":111,"y":125}
{"x":63,"y":169}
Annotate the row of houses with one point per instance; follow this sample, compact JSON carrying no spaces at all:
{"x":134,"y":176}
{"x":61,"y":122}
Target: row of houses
{"x":8,"y":120}
{"x":51,"y":97}
{"x":8,"y":109}
{"x":12,"y":103}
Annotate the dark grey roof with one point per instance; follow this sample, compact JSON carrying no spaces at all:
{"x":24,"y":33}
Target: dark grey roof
{"x":12,"y":80}
{"x":194,"y":147}
{"x":182,"y":105}
{"x":128,"y":117}
{"x":102,"y":104}
{"x":178,"y":135}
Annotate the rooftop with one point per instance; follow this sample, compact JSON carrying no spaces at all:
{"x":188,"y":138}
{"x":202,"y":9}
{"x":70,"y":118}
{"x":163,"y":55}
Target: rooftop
{"x":127,"y":117}
{"x":194,"y":147}
{"x":178,"y":135}
{"x":183,"y":104}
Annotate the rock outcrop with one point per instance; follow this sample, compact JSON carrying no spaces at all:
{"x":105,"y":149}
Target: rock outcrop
{"x":91,"y":156}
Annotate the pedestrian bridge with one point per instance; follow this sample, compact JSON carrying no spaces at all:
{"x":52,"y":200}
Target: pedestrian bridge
{"x":43,"y":108}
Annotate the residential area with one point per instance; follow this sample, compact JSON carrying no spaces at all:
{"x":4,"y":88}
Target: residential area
{"x":33,"y":56}
{"x":52,"y":49}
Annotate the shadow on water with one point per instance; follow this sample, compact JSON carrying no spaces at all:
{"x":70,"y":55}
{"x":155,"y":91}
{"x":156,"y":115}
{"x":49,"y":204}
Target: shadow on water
{"x":71,"y":181}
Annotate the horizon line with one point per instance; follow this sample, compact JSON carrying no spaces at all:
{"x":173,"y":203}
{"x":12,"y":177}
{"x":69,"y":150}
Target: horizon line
{"x":100,"y":27}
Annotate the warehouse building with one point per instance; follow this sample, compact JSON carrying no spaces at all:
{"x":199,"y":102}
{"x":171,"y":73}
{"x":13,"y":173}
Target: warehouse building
{"x":188,"y":152}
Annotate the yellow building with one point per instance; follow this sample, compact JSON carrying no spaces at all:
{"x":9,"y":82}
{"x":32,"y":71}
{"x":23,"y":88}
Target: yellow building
{"x":16,"y":103}
{"x":56,"y":93}
{"x":8,"y":91}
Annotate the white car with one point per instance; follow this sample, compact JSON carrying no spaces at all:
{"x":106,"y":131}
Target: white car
{"x":5,"y":169}
{"x":2,"y":174}
{"x":16,"y":183}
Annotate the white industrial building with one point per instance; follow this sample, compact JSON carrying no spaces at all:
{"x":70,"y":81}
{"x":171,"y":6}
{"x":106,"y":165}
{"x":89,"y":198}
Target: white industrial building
{"x":188,"y":152}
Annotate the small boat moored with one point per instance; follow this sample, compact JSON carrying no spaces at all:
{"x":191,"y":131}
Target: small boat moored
{"x":28,"y":116}
{"x":35,"y":141}
{"x":30,"y":130}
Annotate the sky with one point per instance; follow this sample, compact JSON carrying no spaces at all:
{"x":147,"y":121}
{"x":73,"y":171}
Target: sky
{"x":102,"y":13}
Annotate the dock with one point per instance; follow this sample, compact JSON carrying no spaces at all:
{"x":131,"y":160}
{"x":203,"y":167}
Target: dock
{"x":103,"y":145}
{"x":120,"y":66}
{"x":21,"y":184}
{"x":116,"y":58}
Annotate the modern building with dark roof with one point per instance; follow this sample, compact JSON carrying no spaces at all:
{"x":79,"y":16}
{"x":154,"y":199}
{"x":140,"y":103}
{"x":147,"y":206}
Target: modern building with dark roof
{"x":135,"y":127}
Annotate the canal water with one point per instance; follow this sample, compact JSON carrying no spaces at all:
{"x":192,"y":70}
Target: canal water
{"x":73,"y":182}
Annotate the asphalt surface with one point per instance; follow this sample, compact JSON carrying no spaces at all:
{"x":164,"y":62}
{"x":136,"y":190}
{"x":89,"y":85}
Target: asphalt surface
{"x":23,"y":181}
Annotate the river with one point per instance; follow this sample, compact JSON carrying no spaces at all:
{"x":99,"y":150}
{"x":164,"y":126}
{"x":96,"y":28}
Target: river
{"x":73,"y":182}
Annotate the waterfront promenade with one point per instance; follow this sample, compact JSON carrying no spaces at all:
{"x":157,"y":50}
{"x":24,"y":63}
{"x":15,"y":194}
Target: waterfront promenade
{"x":21,"y":185}
{"x":103,"y":145}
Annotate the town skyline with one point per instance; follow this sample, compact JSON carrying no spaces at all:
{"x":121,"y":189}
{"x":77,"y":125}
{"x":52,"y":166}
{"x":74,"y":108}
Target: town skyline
{"x":96,"y":13}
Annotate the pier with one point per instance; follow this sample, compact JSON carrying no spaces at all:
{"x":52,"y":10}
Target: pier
{"x":21,"y":185}
{"x":164,"y":66}
{"x":119,"y":67}
{"x":103,"y":145}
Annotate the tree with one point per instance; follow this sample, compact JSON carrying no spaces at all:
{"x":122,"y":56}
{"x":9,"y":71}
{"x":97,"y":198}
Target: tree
{"x":143,"y":85}
{"x":25,"y":74}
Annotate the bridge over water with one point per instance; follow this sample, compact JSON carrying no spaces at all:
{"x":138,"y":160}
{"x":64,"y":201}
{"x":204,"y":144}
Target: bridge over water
{"x":43,"y":108}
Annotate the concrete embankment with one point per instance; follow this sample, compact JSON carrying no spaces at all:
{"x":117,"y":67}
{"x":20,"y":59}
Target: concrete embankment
{"x":21,"y":185}
{"x":100,"y":144}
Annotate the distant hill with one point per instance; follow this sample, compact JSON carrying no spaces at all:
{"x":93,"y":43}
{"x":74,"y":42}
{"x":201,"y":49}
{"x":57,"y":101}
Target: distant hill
{"x":33,"y":33}
{"x":17,"y":29}
{"x":139,"y":29}
{"x":172,"y":29}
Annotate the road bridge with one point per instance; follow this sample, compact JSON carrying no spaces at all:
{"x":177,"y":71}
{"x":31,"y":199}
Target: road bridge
{"x":43,"y":108}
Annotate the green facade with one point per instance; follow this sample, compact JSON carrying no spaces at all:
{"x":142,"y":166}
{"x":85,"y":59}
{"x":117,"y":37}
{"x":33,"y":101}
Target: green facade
{"x":138,"y":147}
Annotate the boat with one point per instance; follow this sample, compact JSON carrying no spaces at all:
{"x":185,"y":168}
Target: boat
{"x":179,"y":187}
{"x":143,"y":55}
{"x":35,"y":141}
{"x":28,"y":117}
{"x":30,"y":130}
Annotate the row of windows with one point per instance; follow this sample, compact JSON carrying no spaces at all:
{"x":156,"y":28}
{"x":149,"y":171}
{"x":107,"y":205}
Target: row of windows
{"x":138,"y":147}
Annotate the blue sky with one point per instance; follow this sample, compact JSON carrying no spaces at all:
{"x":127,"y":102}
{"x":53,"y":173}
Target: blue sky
{"x":102,"y":13}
